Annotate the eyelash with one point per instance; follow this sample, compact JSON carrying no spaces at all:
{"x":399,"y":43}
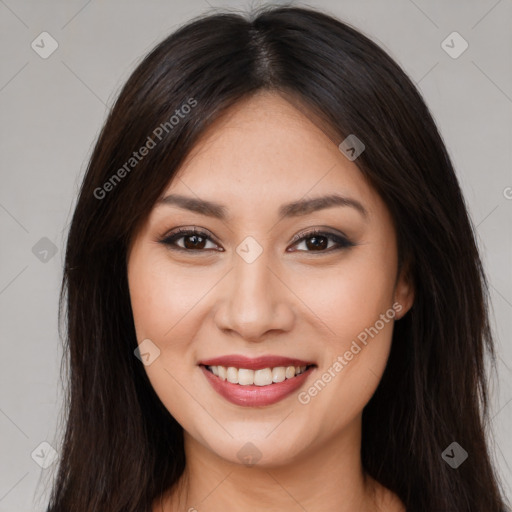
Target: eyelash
{"x":171,"y":238}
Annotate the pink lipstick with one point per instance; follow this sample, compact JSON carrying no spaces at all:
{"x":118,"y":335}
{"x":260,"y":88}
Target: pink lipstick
{"x":254,"y":382}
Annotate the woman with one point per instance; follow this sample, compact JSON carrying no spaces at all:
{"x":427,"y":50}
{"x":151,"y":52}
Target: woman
{"x":274,"y":295}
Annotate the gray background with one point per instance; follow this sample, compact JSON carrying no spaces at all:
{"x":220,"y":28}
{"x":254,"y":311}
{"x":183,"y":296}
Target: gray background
{"x":52,"y":110}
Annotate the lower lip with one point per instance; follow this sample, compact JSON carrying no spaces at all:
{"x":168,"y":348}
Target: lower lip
{"x":253,"y":396}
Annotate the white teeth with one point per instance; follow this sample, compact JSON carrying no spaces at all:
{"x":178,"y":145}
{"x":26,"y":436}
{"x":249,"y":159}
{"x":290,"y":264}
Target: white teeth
{"x":290,"y":372}
{"x":232,"y":375}
{"x":245,"y":377}
{"x":263,"y":377}
{"x":278,"y":374}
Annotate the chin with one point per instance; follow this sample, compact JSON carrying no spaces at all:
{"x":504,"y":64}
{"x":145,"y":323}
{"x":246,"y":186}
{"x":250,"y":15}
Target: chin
{"x":251,"y":451}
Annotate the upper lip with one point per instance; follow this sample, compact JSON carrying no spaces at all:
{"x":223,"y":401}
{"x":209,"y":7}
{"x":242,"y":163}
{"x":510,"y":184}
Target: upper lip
{"x":254,"y":363}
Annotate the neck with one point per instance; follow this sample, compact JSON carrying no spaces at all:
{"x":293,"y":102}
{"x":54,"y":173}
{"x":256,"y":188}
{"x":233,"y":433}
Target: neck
{"x":325,"y":478}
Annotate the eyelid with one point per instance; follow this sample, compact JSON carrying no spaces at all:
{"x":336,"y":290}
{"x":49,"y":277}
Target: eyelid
{"x":339,"y":238}
{"x":318,"y":231}
{"x":187,"y":231}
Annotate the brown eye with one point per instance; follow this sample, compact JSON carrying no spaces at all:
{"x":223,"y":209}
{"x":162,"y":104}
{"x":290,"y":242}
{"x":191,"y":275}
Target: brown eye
{"x":193,"y":240}
{"x":318,"y":241}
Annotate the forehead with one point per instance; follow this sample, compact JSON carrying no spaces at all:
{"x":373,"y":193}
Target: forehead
{"x":262,"y":152}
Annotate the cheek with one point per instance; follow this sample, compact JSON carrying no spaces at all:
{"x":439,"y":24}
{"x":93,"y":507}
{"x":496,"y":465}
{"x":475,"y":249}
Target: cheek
{"x":159,"y":312}
{"x":350,"y":296}
{"x":160,"y":315}
{"x":355,"y":303}
{"x":162,"y":297}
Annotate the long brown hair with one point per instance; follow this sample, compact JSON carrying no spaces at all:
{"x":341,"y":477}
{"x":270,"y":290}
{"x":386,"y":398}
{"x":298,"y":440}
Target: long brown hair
{"x":121,"y":447}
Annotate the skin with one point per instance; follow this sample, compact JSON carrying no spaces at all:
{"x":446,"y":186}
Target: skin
{"x":310,"y":303}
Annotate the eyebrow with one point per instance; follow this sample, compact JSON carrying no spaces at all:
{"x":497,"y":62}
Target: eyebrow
{"x":293,"y":209}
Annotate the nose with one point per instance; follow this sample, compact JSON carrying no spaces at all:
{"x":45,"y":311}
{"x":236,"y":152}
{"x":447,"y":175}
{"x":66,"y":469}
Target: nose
{"x":255,"y":303}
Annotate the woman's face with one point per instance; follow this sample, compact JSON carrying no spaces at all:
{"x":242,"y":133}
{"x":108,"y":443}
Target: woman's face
{"x":246,"y":288}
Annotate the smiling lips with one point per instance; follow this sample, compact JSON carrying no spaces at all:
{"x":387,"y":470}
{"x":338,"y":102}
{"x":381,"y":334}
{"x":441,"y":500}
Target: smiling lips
{"x":255,"y":381}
